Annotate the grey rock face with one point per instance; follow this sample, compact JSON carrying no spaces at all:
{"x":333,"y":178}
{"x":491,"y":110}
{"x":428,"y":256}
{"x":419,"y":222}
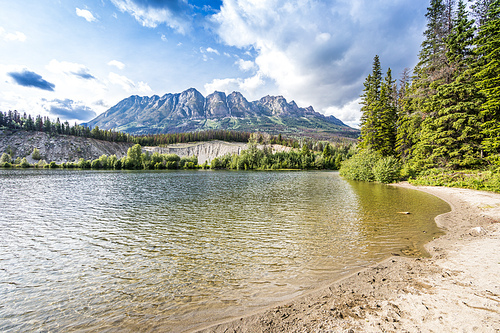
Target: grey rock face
{"x":190,"y":110}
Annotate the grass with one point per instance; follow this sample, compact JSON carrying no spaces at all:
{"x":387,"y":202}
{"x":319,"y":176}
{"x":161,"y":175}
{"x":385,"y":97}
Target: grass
{"x":484,"y":180}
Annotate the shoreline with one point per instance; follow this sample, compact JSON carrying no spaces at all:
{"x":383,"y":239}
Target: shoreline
{"x":456,"y":289}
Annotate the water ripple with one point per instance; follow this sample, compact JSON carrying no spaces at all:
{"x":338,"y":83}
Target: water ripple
{"x":139,"y":251}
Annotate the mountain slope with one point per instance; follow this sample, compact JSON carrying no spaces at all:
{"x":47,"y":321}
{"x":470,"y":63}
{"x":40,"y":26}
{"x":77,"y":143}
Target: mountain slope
{"x":190,"y":111}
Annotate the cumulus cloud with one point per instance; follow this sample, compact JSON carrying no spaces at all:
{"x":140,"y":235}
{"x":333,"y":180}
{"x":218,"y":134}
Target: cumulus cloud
{"x":319,"y":53}
{"x":117,"y":64}
{"x":12,"y":36}
{"x":151,"y":13}
{"x":245,"y":65}
{"x":127,"y":84}
{"x":69,"y":109}
{"x":121,"y":80}
{"x":27,"y":78}
{"x":70,"y":68}
{"x":143,"y":87}
{"x":247,"y":86}
{"x":211,"y":50}
{"x":86,"y":14}
{"x":349,"y":113}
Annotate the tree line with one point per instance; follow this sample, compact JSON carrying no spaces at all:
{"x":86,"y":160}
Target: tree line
{"x":252,"y":158}
{"x":445,"y":113}
{"x":14,"y":120}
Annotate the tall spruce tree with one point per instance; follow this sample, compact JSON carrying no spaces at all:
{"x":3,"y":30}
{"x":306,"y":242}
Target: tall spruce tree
{"x":432,"y":56}
{"x":378,"y":120}
{"x":369,"y":100}
{"x":408,"y":119}
{"x":387,"y":117}
{"x":488,"y":80}
{"x":450,"y":134}
{"x":480,"y":11}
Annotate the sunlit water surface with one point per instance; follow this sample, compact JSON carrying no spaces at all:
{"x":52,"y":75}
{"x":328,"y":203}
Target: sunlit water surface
{"x":170,"y":251}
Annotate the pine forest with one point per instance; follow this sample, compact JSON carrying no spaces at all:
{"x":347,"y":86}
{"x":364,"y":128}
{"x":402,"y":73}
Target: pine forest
{"x":440,"y":123}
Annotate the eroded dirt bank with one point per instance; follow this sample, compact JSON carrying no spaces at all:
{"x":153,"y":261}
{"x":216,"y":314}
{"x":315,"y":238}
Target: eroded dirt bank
{"x":58,"y":148}
{"x":456,"y":290}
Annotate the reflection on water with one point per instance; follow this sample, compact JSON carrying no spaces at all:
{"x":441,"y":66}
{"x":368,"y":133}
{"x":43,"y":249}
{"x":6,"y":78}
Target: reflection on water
{"x":141,"y":251}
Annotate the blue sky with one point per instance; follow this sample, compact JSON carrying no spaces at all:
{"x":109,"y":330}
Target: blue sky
{"x":75,"y":59}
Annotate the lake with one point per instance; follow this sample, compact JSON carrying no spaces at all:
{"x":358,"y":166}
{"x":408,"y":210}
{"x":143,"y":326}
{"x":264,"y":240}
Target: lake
{"x":170,"y":251}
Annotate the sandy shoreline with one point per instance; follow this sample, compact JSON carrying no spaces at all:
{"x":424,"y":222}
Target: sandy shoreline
{"x":456,"y":290}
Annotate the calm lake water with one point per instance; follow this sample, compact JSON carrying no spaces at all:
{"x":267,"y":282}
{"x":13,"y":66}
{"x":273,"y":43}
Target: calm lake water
{"x":170,"y":251}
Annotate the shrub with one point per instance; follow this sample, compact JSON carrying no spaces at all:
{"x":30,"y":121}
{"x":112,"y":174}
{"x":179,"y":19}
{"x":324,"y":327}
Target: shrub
{"x":6,"y":158}
{"x":387,"y":170}
{"x":41,"y":164}
{"x":24,"y":163}
{"x":36,"y":154}
{"x":96,"y":164}
{"x":360,"y":166}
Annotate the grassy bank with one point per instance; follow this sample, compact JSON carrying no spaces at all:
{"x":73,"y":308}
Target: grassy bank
{"x":484,"y":180}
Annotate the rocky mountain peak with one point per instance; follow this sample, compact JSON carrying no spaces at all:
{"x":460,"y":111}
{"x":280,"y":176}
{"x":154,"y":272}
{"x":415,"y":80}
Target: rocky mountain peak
{"x":186,"y":110}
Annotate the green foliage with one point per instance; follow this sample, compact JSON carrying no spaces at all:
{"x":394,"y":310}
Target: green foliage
{"x":40,"y":164}
{"x":134,"y":160}
{"x":486,"y":180}
{"x":188,"y":162}
{"x":360,"y":166}
{"x":263,"y":159}
{"x":6,"y":158}
{"x":488,"y":80}
{"x":36,"y":154}
{"x":378,"y":121}
{"x":387,"y":170}
{"x":84,"y":164}
{"x":450,"y":136}
{"x":24,"y":163}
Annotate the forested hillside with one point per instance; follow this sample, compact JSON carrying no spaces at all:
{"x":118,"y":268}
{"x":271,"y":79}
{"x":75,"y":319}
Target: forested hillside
{"x":445,"y":113}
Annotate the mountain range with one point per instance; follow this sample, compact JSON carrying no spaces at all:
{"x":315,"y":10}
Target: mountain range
{"x":191,"y":111}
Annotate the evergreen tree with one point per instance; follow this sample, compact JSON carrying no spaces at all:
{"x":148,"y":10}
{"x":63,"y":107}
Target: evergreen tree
{"x":450,"y":135}
{"x":370,"y":99}
{"x":431,"y":69}
{"x":480,"y":10}
{"x":408,"y":118}
{"x":387,"y":117}
{"x":378,"y":120}
{"x":488,"y":76}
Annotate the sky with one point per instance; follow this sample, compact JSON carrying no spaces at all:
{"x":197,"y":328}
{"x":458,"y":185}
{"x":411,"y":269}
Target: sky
{"x":75,"y":59}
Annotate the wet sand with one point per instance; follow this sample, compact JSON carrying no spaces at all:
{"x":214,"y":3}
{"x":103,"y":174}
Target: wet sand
{"x":457,"y":289}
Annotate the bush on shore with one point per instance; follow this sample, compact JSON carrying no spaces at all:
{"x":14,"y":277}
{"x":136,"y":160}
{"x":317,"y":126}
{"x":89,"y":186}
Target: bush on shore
{"x":368,"y":165}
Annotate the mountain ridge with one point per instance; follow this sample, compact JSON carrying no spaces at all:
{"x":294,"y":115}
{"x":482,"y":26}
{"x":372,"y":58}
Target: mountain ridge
{"x":191,"y":111}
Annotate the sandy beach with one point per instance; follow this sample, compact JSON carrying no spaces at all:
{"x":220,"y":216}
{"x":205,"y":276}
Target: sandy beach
{"x":457,"y":289}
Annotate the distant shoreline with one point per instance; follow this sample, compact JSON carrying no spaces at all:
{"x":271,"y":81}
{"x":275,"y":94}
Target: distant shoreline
{"x":457,"y":289}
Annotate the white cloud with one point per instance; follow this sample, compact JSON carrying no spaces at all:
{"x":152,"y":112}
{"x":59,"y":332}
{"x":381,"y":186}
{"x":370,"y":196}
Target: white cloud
{"x":127,"y":84}
{"x":350,"y":113}
{"x":12,"y":36}
{"x":248,"y":87}
{"x":211,"y":50}
{"x":164,"y":38}
{"x":150,"y":16}
{"x":70,"y":68}
{"x":86,"y":14}
{"x":117,"y":64}
{"x":319,"y":53}
{"x":245,"y":65}
{"x":123,"y":81}
{"x":143,"y":87}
